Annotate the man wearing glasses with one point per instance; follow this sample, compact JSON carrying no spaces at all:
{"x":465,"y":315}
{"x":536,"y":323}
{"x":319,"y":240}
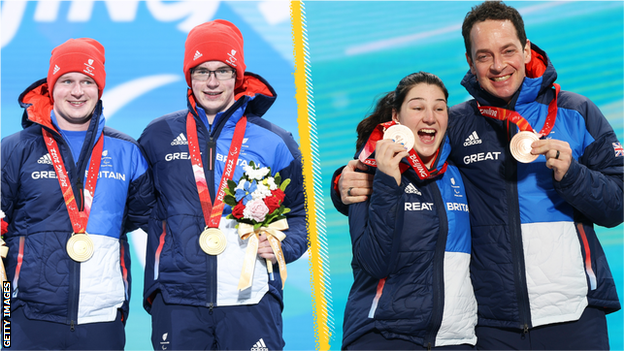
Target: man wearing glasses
{"x":192,"y":288}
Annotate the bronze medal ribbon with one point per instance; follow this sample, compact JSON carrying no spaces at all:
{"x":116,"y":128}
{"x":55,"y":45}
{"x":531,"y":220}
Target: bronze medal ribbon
{"x":414,"y":160}
{"x":515,"y":118}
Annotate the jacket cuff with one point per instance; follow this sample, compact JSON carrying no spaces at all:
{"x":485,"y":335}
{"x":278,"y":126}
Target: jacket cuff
{"x":569,"y":178}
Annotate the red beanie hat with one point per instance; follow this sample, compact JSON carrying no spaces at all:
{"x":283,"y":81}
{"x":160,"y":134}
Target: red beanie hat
{"x":217,"y":40}
{"x":83,"y":55}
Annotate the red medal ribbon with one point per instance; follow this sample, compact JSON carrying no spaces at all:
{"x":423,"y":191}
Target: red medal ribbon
{"x":414,"y":160}
{"x":78,"y":218}
{"x":212,"y":214}
{"x":514,"y":117}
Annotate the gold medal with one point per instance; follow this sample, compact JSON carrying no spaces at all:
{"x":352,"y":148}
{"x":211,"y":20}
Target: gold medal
{"x":212,"y":241}
{"x":520,"y":146}
{"x":80,"y":247}
{"x":400,"y":134}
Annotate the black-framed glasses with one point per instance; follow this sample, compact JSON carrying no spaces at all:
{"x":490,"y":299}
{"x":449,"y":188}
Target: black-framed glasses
{"x":202,"y":74}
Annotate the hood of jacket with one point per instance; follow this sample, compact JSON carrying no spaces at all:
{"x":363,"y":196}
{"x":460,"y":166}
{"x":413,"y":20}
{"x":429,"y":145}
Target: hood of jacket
{"x":38,"y":106}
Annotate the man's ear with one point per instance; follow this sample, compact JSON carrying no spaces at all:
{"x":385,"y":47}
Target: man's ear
{"x":527,"y":52}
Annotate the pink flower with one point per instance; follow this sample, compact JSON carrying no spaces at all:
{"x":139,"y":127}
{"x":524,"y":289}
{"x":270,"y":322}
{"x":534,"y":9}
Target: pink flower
{"x":256,"y":210}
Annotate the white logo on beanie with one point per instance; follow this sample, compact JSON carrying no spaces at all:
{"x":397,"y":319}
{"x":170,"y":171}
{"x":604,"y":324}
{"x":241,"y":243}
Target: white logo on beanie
{"x":231,"y":61}
{"x":89,"y":69}
{"x":56,"y":69}
{"x":197,"y":55}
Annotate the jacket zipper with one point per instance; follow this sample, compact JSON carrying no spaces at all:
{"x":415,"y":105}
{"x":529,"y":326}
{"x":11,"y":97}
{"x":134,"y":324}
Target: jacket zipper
{"x":438,"y":269}
{"x":515,"y":234}
{"x":211,"y":261}
{"x":74,"y":267}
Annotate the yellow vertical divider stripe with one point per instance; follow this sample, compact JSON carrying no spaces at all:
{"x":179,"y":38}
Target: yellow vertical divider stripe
{"x":319,"y":264}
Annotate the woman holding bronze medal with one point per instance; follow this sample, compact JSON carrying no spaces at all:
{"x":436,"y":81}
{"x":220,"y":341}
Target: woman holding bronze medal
{"x":411,"y":238}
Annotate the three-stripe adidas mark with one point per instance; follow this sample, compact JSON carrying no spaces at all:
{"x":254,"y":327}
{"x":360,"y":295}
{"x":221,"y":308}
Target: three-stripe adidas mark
{"x":179,"y":140}
{"x":473,"y":139}
{"x":259,"y":346}
{"x":411,"y":189}
{"x":45,"y":159}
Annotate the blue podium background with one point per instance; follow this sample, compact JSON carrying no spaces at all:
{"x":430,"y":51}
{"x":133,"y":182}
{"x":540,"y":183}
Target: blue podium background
{"x":360,"y":50}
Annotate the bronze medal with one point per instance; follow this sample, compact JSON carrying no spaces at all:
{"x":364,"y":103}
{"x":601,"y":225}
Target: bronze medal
{"x":80,"y":247}
{"x":520,"y":146}
{"x":400,"y":134}
{"x":212,"y":241}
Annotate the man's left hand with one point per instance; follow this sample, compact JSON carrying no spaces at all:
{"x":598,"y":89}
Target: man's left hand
{"x":558,"y":155}
{"x":264,"y":249}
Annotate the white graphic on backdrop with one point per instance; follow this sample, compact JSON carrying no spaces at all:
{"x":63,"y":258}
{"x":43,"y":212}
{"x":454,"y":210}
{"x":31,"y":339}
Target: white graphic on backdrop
{"x":191,"y":13}
{"x":121,"y":95}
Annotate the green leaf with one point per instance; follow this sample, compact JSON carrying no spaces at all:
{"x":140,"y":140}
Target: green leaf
{"x":230,"y":200}
{"x":286,"y":210}
{"x":231,"y":185}
{"x":285,"y":184}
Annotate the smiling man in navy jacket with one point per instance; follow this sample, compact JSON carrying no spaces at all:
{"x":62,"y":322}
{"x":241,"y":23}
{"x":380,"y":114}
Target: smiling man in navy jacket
{"x":71,"y":190}
{"x":192,"y":292}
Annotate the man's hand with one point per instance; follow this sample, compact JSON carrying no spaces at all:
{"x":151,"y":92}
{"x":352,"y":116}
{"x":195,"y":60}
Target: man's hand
{"x":558,"y":155}
{"x":355,"y":186}
{"x":265,"y":250}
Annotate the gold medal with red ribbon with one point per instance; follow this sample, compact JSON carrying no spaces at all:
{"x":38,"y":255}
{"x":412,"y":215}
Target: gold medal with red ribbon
{"x":520,"y":144}
{"x":212,"y":240}
{"x":79,"y":246}
{"x":414,"y":160}
{"x":275,"y":236}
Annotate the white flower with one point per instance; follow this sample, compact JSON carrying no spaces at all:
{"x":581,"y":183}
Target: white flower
{"x":271,"y":183}
{"x":261,"y":192}
{"x":257,"y":174}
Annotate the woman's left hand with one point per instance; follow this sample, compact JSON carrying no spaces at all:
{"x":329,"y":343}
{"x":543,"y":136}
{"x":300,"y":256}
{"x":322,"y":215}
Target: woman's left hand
{"x":388,"y":155}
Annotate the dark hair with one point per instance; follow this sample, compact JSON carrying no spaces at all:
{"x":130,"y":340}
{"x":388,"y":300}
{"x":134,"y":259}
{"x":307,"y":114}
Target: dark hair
{"x":393,"y":101}
{"x":492,"y":10}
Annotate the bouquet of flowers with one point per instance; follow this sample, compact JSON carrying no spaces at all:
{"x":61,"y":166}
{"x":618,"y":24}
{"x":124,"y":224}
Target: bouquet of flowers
{"x":257,"y":203}
{"x":258,"y":198}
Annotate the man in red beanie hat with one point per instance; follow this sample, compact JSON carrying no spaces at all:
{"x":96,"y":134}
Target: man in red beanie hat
{"x":71,"y":190}
{"x":195,"y":256}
